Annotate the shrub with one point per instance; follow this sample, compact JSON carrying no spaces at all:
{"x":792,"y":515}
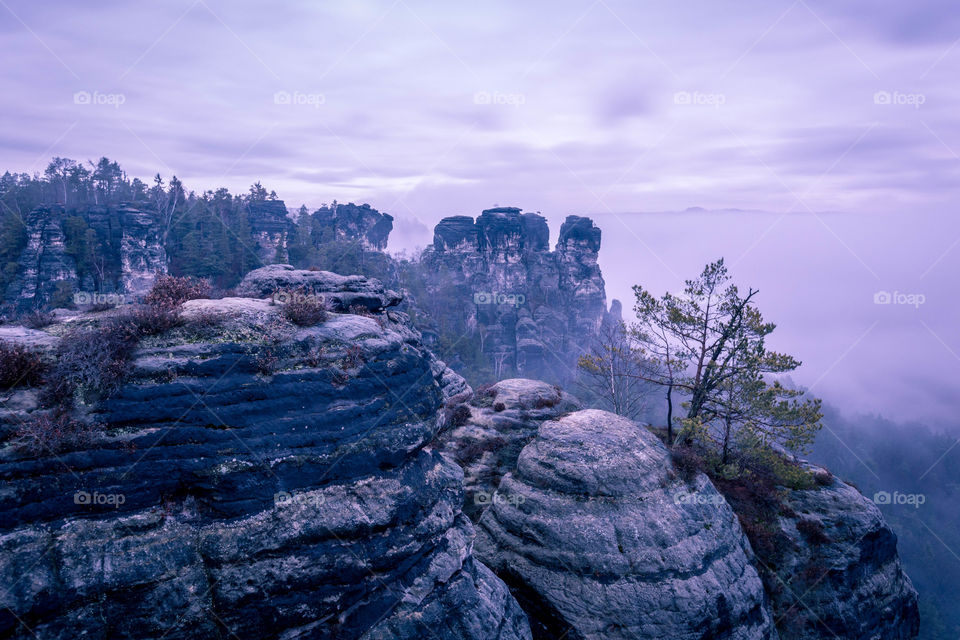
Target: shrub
{"x":475,"y":449}
{"x":151,"y":320}
{"x":687,"y":461}
{"x":544,"y":403}
{"x":486,"y":391}
{"x":498,"y":407}
{"x":90,"y":362}
{"x":823,"y":477}
{"x":37,"y":320}
{"x":813,"y":531}
{"x":171,"y":291}
{"x":57,"y":433}
{"x":304,"y":310}
{"x":19,"y":365}
{"x":460,"y":415}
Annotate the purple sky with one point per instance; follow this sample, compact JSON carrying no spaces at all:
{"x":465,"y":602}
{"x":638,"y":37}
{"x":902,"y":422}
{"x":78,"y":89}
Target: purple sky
{"x":841,"y":120}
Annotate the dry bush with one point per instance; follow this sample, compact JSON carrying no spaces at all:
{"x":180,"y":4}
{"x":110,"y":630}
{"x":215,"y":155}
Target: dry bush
{"x":20,"y":366}
{"x":302,"y":308}
{"x":687,"y":461}
{"x":151,"y":320}
{"x":170,"y":291}
{"x":460,"y":415}
{"x":37,"y":319}
{"x":90,"y":362}
{"x":56,"y":433}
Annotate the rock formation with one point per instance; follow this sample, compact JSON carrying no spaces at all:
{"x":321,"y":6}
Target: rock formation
{"x":598,"y":537}
{"x":532,"y":310}
{"x":489,"y":432}
{"x":254,"y":479}
{"x":351,"y":222}
{"x":271,"y":229}
{"x":130,"y":255}
{"x":840,"y":575}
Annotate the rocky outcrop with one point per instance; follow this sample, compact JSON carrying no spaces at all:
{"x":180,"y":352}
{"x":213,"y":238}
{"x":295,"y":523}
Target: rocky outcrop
{"x":351,"y":222}
{"x":271,"y":230}
{"x":339,"y":293}
{"x":253,"y":479}
{"x":532,"y":310}
{"x":598,"y":537}
{"x":490,"y":430}
{"x":128,"y":248}
{"x":839,"y":574}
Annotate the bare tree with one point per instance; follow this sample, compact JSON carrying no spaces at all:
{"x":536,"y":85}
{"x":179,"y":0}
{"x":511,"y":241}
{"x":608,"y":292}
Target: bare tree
{"x":612,"y":371}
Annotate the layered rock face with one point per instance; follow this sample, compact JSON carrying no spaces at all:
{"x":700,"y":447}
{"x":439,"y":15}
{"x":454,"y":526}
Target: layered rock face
{"x":344,"y":222}
{"x":533,"y":310}
{"x":840,"y":575}
{"x":271,"y":229}
{"x":493,"y":427}
{"x":598,"y":537}
{"x":131,"y":255}
{"x":255,"y":479}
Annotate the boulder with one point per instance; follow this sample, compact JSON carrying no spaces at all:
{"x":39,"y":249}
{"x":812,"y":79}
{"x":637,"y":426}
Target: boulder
{"x":340,"y":293}
{"x":598,"y":537}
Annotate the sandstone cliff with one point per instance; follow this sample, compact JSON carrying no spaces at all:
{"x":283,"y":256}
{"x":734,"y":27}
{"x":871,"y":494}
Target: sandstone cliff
{"x":116,"y":249}
{"x":495,"y":281}
{"x":253,"y":479}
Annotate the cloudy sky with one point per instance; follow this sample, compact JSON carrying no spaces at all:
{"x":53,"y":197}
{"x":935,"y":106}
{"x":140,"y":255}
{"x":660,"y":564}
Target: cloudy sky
{"x":833,"y":126}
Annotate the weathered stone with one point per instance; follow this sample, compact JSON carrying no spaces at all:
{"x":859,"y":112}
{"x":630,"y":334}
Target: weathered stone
{"x":840,"y":575}
{"x":533,"y":311}
{"x":255,"y":479}
{"x":598,"y":537}
{"x":341,"y":293}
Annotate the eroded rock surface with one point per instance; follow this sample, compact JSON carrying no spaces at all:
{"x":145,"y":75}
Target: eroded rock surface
{"x":254,"y":479}
{"x":598,"y":537}
{"x":840,"y":575}
{"x":502,"y":419}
